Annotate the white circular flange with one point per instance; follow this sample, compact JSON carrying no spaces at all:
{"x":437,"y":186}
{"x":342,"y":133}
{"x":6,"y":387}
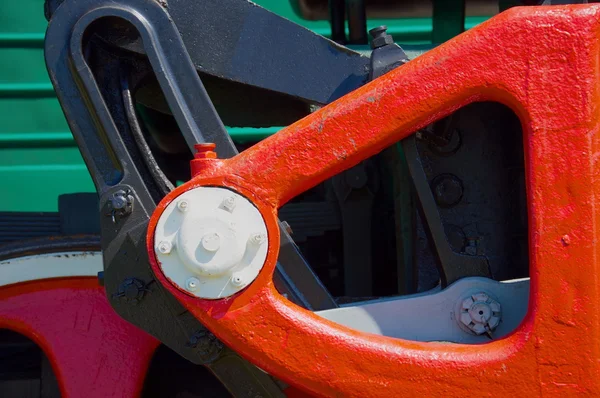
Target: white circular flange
{"x":217,"y":238}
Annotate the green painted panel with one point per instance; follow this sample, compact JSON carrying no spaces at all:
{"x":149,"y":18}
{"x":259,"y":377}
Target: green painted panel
{"x":38,"y":157}
{"x":12,"y":61}
{"x":24,"y":115}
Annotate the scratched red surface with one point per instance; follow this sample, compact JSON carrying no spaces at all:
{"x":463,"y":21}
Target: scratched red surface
{"x":93,"y":352}
{"x":544,"y":64}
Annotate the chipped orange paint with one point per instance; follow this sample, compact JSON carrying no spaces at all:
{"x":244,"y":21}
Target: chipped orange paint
{"x":543,"y":63}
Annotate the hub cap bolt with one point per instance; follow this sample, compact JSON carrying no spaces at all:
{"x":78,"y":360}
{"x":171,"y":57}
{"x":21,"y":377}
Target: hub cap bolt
{"x":258,"y":239}
{"x":183,"y":205}
{"x":228,"y":203}
{"x":165,"y":247}
{"x":192,"y":284}
{"x":237,"y":280}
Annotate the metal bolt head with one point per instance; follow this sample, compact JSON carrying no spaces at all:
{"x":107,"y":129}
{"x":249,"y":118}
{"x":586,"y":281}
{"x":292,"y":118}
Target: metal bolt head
{"x":480,"y":313}
{"x":380,"y":37}
{"x":118,"y":201}
{"x":237,"y":280}
{"x":165,"y":247}
{"x":183,"y":205}
{"x":258,"y":239}
{"x":447,"y":190}
{"x":228,"y":203}
{"x":192,"y":284}
{"x":131,"y":290}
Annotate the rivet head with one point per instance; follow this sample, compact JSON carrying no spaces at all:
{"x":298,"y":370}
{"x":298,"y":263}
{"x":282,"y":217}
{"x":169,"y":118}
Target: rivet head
{"x":165,"y":247}
{"x":192,"y":284}
{"x":183,"y":205}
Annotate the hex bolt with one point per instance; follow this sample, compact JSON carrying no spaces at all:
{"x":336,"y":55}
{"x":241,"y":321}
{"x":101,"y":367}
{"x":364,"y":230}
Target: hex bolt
{"x":183,"y":205}
{"x":165,"y":247}
{"x":447,"y":190}
{"x":480,"y":314}
{"x":192,"y":284}
{"x":228,"y":204}
{"x":258,"y":239}
{"x":380,"y":37}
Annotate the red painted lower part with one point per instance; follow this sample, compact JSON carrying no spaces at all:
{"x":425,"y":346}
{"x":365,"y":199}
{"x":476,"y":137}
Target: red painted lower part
{"x":94,"y":353}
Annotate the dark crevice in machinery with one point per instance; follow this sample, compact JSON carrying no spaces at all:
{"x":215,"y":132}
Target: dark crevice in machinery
{"x":25,"y":371}
{"x":482,"y":208}
{"x":170,"y":375}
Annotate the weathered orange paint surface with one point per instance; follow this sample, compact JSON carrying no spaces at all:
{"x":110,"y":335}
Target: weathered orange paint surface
{"x":543,"y":62}
{"x":93,"y":352}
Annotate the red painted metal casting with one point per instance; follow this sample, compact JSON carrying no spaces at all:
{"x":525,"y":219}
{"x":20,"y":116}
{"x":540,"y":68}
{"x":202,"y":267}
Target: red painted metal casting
{"x":544,"y":64}
{"x":93,"y":352}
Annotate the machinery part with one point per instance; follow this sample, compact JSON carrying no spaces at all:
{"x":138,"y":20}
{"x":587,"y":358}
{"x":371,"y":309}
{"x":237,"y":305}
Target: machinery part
{"x":120,"y":204}
{"x":132,"y":290}
{"x":70,"y":265}
{"x":517,"y":58}
{"x":447,"y":190}
{"x":355,"y":196}
{"x":215,"y":246}
{"x":357,"y":21}
{"x":380,"y":37}
{"x":69,"y":318}
{"x":452,"y":266}
{"x":480,"y":314}
{"x":222,"y":41}
{"x":386,"y":54}
{"x":102,"y":131}
{"x":337,"y":14}
{"x":440,"y":315}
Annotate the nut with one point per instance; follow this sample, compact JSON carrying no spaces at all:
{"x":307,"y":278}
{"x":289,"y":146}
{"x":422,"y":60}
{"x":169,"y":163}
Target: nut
{"x":228,"y":203}
{"x":479,"y":313}
{"x":258,"y":239}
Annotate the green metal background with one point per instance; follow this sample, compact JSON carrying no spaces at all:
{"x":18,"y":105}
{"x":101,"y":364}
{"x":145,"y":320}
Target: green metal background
{"x":38,"y":157}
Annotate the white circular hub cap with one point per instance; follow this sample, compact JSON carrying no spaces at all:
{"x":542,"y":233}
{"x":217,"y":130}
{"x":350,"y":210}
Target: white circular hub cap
{"x":216,"y":239}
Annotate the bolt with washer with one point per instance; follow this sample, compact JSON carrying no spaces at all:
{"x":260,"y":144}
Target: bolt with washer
{"x":183,"y":205}
{"x":480,"y":314}
{"x":192,"y":284}
{"x":165,"y":247}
